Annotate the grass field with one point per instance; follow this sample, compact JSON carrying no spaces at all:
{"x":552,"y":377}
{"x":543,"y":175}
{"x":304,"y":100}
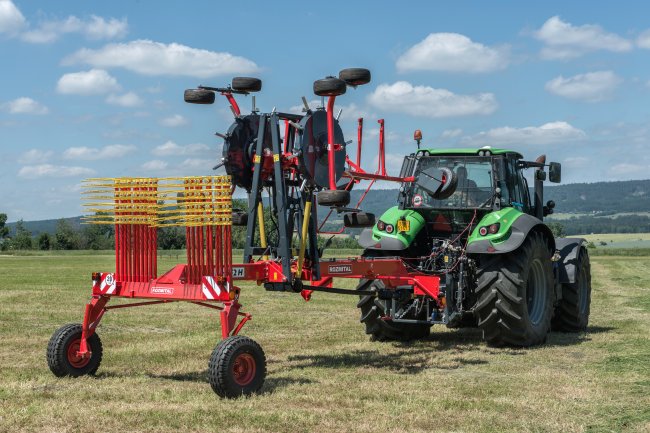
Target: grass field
{"x":324,"y":374}
{"x":619,"y":240}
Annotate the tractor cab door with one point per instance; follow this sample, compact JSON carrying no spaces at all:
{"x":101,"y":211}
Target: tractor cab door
{"x":515,"y":191}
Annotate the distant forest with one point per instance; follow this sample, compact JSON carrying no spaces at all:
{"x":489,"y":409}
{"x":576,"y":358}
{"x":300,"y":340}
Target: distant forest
{"x":602,"y":207}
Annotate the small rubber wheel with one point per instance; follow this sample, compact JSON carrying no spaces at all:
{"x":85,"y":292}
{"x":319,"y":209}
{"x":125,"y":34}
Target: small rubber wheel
{"x":237,"y":367}
{"x":199,"y":96}
{"x":62,"y":352}
{"x":358,"y":219}
{"x":330,"y":86}
{"x":355,"y":76}
{"x":240,"y":219}
{"x":333,"y":197}
{"x":449,"y":184}
{"x":246,"y":84}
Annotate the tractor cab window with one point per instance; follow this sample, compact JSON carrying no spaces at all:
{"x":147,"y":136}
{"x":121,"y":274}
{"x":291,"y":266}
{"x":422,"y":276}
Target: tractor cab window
{"x":474,"y":188}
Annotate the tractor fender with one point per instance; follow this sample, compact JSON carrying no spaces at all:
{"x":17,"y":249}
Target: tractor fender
{"x":366,"y":241}
{"x":519,"y":230}
{"x":569,"y":249}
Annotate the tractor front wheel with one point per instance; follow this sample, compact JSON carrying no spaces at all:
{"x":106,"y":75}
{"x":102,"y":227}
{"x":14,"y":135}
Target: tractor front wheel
{"x":237,"y":367}
{"x":62,"y":352}
{"x":515,"y":294}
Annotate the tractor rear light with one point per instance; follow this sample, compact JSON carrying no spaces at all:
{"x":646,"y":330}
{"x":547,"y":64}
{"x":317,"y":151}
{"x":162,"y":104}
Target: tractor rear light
{"x":494,"y":228}
{"x":390,"y":228}
{"x":381,"y":226}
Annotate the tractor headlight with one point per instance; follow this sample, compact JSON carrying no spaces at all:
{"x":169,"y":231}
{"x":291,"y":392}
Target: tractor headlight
{"x":381,"y":226}
{"x":390,"y":228}
{"x":491,"y":229}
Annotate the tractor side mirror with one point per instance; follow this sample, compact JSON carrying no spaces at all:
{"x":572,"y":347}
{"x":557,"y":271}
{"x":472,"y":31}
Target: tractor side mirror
{"x":548,"y":209}
{"x":555,"y":172}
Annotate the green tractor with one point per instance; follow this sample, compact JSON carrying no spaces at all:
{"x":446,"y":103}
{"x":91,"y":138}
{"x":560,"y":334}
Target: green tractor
{"x":468,"y":217}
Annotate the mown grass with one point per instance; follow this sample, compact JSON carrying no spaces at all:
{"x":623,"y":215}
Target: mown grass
{"x":323,"y":373}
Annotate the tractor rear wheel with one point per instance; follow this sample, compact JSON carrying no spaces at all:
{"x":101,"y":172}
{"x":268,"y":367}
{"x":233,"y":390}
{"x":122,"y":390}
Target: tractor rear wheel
{"x":572,"y":312}
{"x":515,"y":294}
{"x":237,"y":367}
{"x":372,"y":311}
{"x":62,"y":351}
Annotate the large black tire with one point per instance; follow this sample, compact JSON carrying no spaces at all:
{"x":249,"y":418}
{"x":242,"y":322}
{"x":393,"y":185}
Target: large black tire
{"x":199,"y":96}
{"x":237,"y":367}
{"x":239,"y":219}
{"x":515,"y":294}
{"x":246,"y":84}
{"x":372,"y":310}
{"x":448,"y":188}
{"x":330,"y":86}
{"x":333,"y":197}
{"x":355,"y":76}
{"x":61,"y":349}
{"x":359,"y":219}
{"x":572,"y":312}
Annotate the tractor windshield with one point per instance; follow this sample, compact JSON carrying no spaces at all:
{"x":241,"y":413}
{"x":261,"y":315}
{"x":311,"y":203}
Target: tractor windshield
{"x":475,"y":183}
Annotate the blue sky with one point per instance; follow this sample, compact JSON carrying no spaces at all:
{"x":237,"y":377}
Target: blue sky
{"x":94,"y":89}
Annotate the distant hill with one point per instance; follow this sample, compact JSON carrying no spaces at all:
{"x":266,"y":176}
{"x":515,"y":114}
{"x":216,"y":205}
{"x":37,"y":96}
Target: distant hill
{"x":593,"y":204}
{"x":45,"y":226}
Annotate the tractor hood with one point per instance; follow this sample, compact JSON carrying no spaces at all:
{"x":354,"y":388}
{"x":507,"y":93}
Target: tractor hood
{"x":379,"y":238}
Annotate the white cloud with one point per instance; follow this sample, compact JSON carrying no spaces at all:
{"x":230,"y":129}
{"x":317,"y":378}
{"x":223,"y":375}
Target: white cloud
{"x":49,"y":170}
{"x":94,"y":28}
{"x":589,"y":87}
{"x":426,"y":101}
{"x":35,"y":156}
{"x":643,"y":41}
{"x":626,"y":170}
{"x":25,"y":106}
{"x":11,"y":20}
{"x":92,"y":153}
{"x":197,"y":164}
{"x":171,"y":148}
{"x":154,"y":58}
{"x":93,"y":82}
{"x":154,"y":165}
{"x":548,"y":133}
{"x":452,"y":52}
{"x":174,"y":121}
{"x":451,"y":133}
{"x":564,"y":40}
{"x":576,"y":162}
{"x":128,"y":99}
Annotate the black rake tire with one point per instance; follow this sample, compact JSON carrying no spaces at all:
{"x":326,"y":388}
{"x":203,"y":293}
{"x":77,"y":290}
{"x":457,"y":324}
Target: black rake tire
{"x":330,"y":86}
{"x":199,"y":96}
{"x":448,"y":188}
{"x":333,"y":197}
{"x":355,"y":76}
{"x":61,"y":348}
{"x":237,"y":367}
{"x":239,"y":219}
{"x":372,"y":309}
{"x":246,"y":84}
{"x":515,"y":294}
{"x":359,"y":219}
{"x":572,"y":311}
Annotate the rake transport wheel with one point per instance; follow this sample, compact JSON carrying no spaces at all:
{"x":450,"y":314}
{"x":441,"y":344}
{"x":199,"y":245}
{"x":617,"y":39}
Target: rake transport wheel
{"x":372,"y":310}
{"x":62,"y":352}
{"x":237,"y":367}
{"x":330,"y":86}
{"x":572,"y":312}
{"x":247,"y":84}
{"x":199,"y":96}
{"x":333,"y":197}
{"x":515,"y":294}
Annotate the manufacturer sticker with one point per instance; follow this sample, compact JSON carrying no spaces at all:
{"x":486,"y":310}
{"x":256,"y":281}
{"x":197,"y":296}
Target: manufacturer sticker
{"x":417,"y":200}
{"x":339,"y":269}
{"x":162,"y":290}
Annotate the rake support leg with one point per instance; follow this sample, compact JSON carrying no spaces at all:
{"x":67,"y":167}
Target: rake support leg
{"x":92,"y":316}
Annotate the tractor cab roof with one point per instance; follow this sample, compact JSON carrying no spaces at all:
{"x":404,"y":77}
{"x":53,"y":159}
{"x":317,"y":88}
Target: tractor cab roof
{"x":471,"y":151}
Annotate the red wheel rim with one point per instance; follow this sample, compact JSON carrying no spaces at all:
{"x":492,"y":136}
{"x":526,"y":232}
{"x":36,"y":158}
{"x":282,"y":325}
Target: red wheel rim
{"x":243,"y":369}
{"x":75,"y":360}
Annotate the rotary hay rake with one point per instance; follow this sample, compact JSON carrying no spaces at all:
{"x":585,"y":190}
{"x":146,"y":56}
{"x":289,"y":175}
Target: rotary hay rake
{"x":305,"y":166}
